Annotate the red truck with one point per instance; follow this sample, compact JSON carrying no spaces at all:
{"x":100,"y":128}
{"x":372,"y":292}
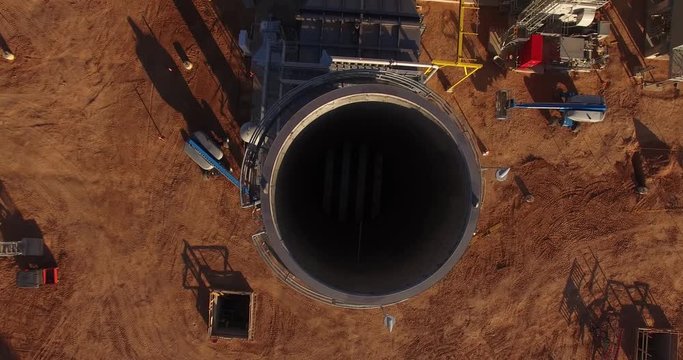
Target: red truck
{"x":36,"y":278}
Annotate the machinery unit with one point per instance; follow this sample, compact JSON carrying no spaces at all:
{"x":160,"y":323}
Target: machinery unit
{"x":570,"y":26}
{"x":578,"y":53}
{"x":35,"y":278}
{"x":550,"y":16}
{"x":664,"y":35}
{"x":532,"y":52}
{"x":205,"y":153}
{"x":575,"y":109}
{"x":336,"y":36}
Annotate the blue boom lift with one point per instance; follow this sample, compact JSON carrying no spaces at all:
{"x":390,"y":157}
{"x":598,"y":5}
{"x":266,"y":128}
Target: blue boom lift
{"x":205,"y":153}
{"x":574,"y":108}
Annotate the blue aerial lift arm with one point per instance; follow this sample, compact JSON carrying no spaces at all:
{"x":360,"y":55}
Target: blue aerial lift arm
{"x":216,"y":164}
{"x":563,"y":106}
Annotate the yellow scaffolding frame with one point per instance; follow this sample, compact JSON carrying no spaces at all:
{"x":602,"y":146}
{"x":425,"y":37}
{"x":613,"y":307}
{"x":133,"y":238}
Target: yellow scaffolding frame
{"x":468,"y":66}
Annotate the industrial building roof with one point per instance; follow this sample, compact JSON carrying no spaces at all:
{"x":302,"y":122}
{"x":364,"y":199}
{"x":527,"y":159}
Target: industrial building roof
{"x":368,"y":29}
{"x":403,"y":8}
{"x":379,"y":29}
{"x":378,"y":40}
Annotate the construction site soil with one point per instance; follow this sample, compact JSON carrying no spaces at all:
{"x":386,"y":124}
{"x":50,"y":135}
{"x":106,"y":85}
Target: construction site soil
{"x":93,"y":115}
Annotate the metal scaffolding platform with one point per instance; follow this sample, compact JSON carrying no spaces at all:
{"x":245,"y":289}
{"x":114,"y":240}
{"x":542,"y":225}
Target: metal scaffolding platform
{"x":24,"y":247}
{"x":536,"y":14}
{"x":468,"y":65}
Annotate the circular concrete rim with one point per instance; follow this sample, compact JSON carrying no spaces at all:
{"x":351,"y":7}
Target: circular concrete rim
{"x":312,"y":111}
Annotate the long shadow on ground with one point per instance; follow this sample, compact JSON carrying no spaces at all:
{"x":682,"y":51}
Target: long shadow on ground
{"x":655,"y":152}
{"x":224,"y":71}
{"x":171,"y":85}
{"x":13,"y":227}
{"x":207,"y":268}
{"x":547,"y":88}
{"x":3,"y":44}
{"x":607,"y":311}
{"x":6,"y":352}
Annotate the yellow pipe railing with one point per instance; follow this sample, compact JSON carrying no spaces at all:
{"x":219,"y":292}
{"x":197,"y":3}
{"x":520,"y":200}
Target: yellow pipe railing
{"x":467,"y":65}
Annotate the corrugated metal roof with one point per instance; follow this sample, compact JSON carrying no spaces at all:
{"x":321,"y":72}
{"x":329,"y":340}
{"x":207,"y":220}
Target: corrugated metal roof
{"x":404,"y":8}
{"x":395,"y":41}
{"x":370,"y":29}
{"x":383,"y":29}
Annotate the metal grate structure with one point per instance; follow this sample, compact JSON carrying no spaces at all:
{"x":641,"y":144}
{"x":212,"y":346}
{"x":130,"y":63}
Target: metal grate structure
{"x":25,"y":247}
{"x":367,"y":31}
{"x":358,"y":32}
{"x":676,"y":43}
{"x":676,"y":63}
{"x":535,"y":15}
{"x":661,"y":344}
{"x":410,"y":69}
{"x":9,"y":249}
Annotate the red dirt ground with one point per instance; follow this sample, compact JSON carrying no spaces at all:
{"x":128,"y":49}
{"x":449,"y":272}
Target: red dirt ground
{"x":116,"y":205}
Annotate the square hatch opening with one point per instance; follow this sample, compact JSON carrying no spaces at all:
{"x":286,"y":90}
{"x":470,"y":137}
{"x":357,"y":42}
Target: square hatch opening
{"x":231,"y":314}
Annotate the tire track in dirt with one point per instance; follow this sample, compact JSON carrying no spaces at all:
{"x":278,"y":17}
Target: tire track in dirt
{"x":51,"y":347}
{"x":561,"y":232}
{"x":436,"y":347}
{"x":278,"y":323}
{"x":495,"y":340}
{"x":114,"y":331}
{"x":563,"y":217}
{"x":558,"y":219}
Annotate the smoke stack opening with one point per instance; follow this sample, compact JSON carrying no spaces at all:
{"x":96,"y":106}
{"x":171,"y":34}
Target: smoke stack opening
{"x":370,"y":198}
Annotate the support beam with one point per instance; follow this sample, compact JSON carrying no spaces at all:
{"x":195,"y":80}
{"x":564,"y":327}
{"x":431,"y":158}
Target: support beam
{"x":468,"y":67}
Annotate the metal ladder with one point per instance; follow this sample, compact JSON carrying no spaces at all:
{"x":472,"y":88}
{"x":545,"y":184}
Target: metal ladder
{"x":10,"y":248}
